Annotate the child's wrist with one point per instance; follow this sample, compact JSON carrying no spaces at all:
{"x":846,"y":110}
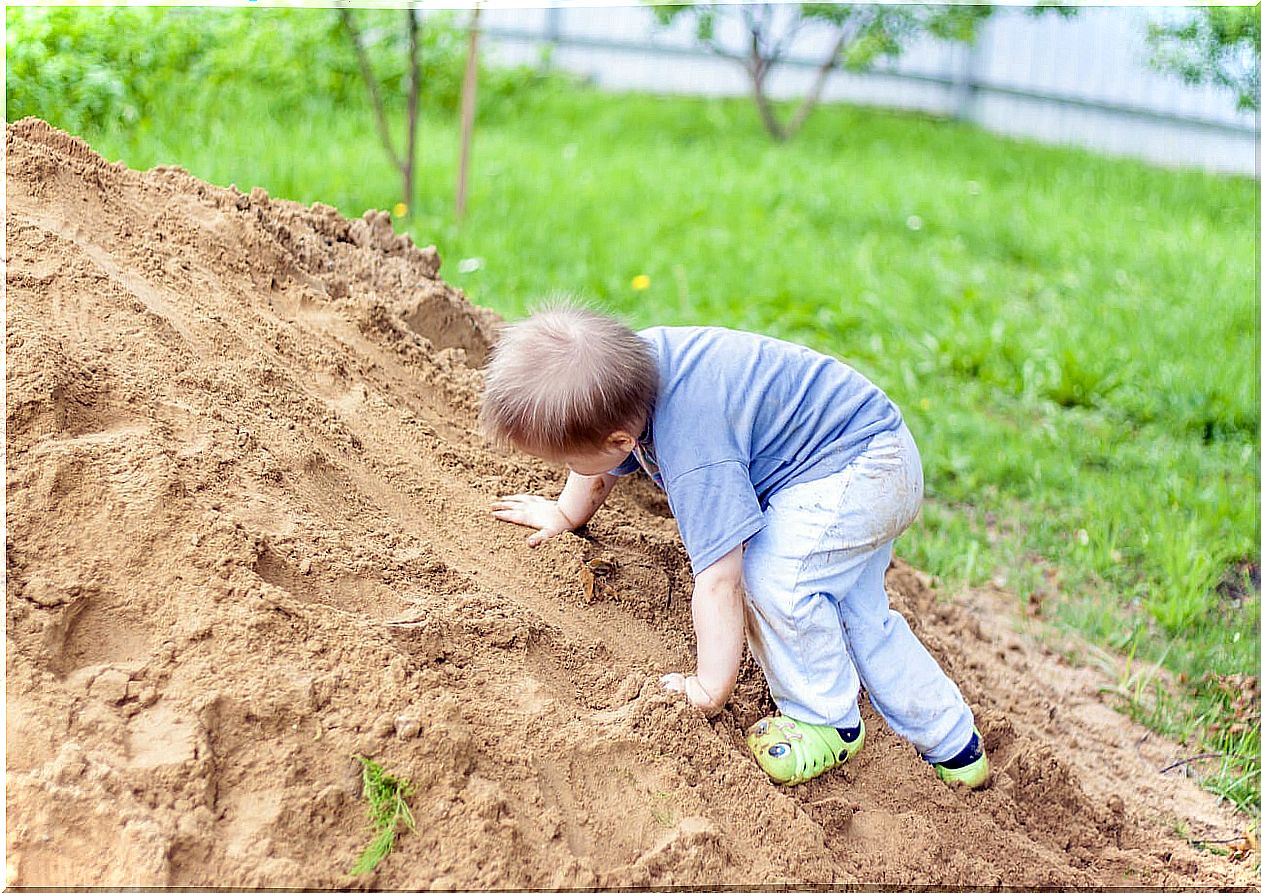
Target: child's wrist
{"x":698,"y":694}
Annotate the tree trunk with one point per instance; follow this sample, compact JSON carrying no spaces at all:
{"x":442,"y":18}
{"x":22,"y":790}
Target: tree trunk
{"x":759,"y":69}
{"x":811,"y":99}
{"x":413,"y":107}
{"x":468,"y":106}
{"x":405,"y":163}
{"x":766,"y":110}
{"x":370,"y":81}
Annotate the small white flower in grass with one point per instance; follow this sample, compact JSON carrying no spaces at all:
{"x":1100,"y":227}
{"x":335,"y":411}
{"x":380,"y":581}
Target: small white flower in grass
{"x":470,"y":265}
{"x":1083,"y":537}
{"x":915,"y":223}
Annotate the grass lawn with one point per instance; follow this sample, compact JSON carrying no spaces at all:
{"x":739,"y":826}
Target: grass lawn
{"x":1071,"y":337}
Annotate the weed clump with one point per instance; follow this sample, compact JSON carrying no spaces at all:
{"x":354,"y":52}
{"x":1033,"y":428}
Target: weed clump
{"x":387,"y":808}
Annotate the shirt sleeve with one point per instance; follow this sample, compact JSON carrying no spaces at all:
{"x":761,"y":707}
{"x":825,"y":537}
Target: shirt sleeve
{"x":717,"y":509}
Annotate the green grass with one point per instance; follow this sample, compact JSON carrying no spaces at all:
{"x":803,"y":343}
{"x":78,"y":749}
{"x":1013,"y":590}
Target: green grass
{"x":1071,"y":337}
{"x":387,"y":810}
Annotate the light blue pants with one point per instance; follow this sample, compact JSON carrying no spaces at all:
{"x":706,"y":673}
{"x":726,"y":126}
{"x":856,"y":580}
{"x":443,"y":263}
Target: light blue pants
{"x":817,"y":615}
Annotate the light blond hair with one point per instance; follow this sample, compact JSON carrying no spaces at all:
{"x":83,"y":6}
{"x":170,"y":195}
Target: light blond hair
{"x":565,"y":378}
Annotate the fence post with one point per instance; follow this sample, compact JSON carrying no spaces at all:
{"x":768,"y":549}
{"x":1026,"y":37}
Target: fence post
{"x":964,"y":83}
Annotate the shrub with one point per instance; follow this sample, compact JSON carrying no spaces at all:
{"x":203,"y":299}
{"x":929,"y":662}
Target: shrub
{"x":85,"y":69}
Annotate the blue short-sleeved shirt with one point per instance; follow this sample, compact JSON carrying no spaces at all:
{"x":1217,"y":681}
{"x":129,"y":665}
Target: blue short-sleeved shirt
{"x":741,"y":416}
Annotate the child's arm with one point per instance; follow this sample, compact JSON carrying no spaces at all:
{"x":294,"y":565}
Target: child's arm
{"x":579,"y":500}
{"x":718,"y":617}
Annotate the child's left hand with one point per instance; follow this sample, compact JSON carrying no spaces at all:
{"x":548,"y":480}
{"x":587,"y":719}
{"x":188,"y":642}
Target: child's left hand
{"x":692,"y":688}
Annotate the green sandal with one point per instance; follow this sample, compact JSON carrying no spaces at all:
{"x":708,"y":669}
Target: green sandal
{"x":791,"y":751}
{"x":970,"y":767}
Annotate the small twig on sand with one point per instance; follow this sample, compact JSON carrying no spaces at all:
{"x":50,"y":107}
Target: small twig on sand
{"x":1209,"y":756}
{"x":1198,"y":756}
{"x":1221,"y":840}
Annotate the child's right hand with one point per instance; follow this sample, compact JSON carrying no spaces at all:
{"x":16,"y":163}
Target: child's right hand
{"x":533,"y":511}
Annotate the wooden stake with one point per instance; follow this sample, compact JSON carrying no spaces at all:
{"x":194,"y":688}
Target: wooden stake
{"x":468,"y":105}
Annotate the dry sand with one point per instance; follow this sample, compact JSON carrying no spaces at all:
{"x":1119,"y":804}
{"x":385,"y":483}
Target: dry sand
{"x":248,"y":537}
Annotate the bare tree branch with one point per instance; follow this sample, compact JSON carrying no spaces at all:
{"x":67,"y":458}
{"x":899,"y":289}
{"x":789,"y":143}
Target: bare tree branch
{"x":374,"y":89}
{"x":405,"y":164}
{"x":413,"y":105}
{"x":751,"y":25}
{"x":758,"y":70}
{"x":811,"y":99}
{"x":718,"y":50}
{"x":848,"y":32}
{"x":767,"y":18}
{"x":785,"y":41}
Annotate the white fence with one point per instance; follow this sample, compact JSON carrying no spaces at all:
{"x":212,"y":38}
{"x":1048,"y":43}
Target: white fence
{"x":1081,"y":81}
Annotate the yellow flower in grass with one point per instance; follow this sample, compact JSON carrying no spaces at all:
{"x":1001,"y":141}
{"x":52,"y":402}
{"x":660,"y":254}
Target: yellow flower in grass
{"x":400,"y":210}
{"x":640,"y":282}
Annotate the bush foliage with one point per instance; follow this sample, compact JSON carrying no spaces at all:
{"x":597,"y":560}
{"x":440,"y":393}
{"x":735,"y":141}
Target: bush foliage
{"x":85,"y":69}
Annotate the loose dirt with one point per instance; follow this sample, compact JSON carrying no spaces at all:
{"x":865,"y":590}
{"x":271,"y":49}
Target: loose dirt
{"x":249,"y":537}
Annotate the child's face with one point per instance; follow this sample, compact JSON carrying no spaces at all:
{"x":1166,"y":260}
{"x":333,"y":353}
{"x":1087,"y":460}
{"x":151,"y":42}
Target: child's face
{"x":617,"y":446}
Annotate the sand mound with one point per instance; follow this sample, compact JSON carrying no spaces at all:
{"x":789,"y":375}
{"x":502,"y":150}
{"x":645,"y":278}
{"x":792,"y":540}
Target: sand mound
{"x":248,"y":537}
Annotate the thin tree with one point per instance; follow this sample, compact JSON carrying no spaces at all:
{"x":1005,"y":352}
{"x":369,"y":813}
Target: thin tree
{"x":468,"y":108}
{"x":405,"y":161}
{"x":860,"y":36}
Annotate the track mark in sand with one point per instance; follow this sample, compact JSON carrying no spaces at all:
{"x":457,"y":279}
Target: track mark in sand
{"x":557,"y":782}
{"x":613,"y":807}
{"x":531,"y":698}
{"x":379,"y":366}
{"x":345,"y":592}
{"x":500,"y":570}
{"x":878,"y":826}
{"x":151,"y":297}
{"x":247,"y":814}
{"x":90,"y":631}
{"x":106,"y":437}
{"x":160,"y":736}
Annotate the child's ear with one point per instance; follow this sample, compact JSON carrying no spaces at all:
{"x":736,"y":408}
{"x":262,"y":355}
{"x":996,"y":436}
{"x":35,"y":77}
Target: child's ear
{"x":621,"y":440}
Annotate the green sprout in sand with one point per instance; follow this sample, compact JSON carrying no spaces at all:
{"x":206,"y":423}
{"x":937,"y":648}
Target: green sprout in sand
{"x":387,"y":807}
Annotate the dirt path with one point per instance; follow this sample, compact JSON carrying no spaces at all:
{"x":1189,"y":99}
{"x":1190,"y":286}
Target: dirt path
{"x":248,"y":537}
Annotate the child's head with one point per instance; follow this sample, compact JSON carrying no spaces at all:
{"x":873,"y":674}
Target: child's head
{"x":570,"y":385}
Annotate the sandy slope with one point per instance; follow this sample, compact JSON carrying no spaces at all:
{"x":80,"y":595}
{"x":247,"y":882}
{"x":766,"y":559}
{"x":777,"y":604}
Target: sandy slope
{"x":248,"y":538}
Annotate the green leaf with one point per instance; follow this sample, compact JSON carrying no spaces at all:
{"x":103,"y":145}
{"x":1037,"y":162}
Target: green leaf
{"x":387,"y":807}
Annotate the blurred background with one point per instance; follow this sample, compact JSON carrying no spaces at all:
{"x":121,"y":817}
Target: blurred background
{"x":1034,"y":228}
{"x":1093,"y":76}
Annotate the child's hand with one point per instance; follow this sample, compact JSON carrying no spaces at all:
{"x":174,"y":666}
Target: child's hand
{"x":692,"y":688}
{"x":533,"y":511}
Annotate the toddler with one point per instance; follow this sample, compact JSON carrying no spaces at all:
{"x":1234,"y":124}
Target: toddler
{"x":789,"y":474}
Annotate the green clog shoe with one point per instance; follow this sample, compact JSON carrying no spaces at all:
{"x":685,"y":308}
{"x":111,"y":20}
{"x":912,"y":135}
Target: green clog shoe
{"x":970,"y":767}
{"x":790,"y":751}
